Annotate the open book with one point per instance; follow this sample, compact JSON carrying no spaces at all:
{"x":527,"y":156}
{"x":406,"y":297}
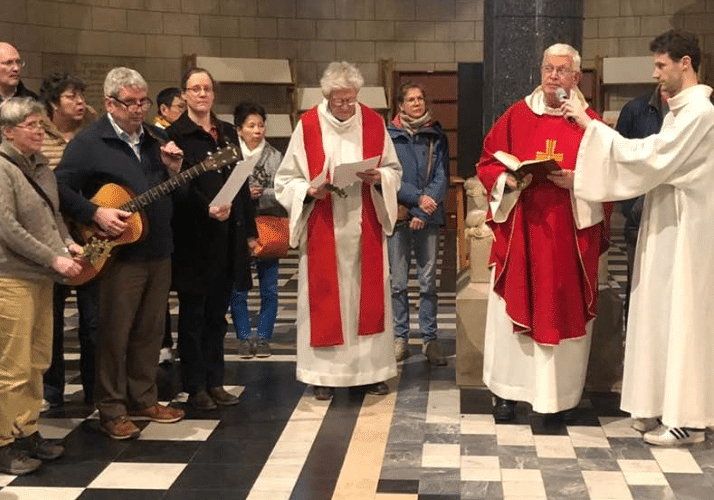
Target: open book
{"x":519,"y":169}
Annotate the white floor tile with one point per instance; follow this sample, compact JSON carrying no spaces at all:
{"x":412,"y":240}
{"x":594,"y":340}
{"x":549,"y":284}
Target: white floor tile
{"x":480,"y":468}
{"x":57,"y":428}
{"x":478,"y":424}
{"x":675,"y":460}
{"x":607,"y":485}
{"x":441,"y":455}
{"x":554,"y":447}
{"x":514,"y":435}
{"x":618,"y":427}
{"x":185,"y":430}
{"x":145,"y":476}
{"x":39,"y":493}
{"x":587,"y":437}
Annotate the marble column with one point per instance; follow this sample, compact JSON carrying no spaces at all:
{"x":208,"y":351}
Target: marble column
{"x":516,"y":32}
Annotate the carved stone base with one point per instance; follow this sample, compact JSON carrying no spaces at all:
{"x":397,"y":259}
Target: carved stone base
{"x":471,"y":301}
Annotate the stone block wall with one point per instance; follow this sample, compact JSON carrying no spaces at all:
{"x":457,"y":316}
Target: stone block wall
{"x":90,"y":36}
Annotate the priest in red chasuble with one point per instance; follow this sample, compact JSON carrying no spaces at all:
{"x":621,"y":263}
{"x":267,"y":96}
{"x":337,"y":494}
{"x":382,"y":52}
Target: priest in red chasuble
{"x":344,"y":316}
{"x":544,"y":258}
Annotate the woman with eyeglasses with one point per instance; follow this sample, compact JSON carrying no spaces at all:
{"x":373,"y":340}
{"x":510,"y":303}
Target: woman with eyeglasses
{"x":35,"y":251}
{"x":67,"y":113}
{"x":211,"y":246}
{"x":344,"y":323}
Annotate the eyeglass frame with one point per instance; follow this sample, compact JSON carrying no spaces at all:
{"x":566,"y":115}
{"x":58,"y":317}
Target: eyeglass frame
{"x":344,"y":102}
{"x":196,"y":89}
{"x":36,"y":127}
{"x":145,"y":104}
{"x":559,"y":70}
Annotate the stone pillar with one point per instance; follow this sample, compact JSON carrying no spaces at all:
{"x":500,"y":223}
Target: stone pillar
{"x":516,"y":32}
{"x":472,"y":289}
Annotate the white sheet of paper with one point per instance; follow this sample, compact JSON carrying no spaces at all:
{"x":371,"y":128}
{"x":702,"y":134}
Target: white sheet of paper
{"x":346,"y":173}
{"x":235,"y":181}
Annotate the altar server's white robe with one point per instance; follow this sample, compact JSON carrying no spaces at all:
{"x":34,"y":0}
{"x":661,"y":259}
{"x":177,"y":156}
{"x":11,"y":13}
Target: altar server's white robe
{"x":362,"y":359}
{"x":670,"y":339}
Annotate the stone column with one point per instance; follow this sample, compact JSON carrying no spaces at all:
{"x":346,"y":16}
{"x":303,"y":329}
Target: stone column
{"x":516,"y":32}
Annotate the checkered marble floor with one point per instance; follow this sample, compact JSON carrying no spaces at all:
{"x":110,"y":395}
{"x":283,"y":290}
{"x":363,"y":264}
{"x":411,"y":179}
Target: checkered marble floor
{"x":427,"y":440}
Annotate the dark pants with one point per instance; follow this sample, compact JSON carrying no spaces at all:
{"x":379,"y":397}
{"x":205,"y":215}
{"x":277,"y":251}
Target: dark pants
{"x":168,"y":341}
{"x":54,"y":378}
{"x":201,"y":329}
{"x":132,"y":315}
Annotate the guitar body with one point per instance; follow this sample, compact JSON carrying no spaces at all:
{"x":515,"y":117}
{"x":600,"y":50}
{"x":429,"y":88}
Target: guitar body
{"x":100,"y":249}
{"x":108,"y":196}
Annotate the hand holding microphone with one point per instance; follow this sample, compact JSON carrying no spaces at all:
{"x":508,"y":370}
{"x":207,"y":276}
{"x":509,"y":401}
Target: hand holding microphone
{"x":573,"y":109}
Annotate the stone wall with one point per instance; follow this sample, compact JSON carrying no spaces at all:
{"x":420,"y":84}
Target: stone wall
{"x":90,"y":36}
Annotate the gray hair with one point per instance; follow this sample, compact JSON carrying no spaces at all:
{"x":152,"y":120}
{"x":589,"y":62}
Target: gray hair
{"x":121,"y":77}
{"x":339,"y":76}
{"x":563,"y":50}
{"x":14,"y":111}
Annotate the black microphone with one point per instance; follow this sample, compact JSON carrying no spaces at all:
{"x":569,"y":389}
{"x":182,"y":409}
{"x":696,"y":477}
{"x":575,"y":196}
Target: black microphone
{"x":562,"y":96}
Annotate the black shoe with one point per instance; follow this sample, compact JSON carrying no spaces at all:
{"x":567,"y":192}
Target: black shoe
{"x":16,"y":462}
{"x":202,"y":401}
{"x":38,"y":447}
{"x":222,"y":397}
{"x":323,"y":393}
{"x":504,"y":410}
{"x":378,"y":389}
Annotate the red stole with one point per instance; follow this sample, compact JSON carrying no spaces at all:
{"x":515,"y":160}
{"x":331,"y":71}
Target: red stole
{"x":323,"y":284}
{"x":545,"y":268}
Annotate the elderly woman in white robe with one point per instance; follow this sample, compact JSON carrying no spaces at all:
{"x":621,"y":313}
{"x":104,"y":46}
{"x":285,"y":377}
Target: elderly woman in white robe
{"x":344,"y":321}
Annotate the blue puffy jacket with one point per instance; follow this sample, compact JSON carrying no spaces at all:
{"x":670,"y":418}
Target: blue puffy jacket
{"x":412,"y":151}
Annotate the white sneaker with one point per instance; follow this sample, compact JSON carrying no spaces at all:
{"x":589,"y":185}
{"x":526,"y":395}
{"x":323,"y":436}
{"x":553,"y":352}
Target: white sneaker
{"x":674,"y":436}
{"x":165,"y":355}
{"x":45,"y":406}
{"x":645,"y":424}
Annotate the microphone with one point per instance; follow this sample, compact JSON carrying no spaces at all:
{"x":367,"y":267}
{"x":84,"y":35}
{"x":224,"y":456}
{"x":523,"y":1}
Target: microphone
{"x":562,"y":96}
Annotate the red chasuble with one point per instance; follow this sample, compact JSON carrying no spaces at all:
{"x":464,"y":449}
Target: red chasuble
{"x":546,"y":268}
{"x":323,"y":284}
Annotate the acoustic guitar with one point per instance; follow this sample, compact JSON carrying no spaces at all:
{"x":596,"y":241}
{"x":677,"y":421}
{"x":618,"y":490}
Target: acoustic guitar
{"x":99,"y":247}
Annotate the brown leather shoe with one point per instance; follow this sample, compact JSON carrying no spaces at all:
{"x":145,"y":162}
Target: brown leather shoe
{"x":323,"y":393}
{"x":158,"y":413}
{"x":378,"y":389}
{"x":202,"y":401}
{"x":119,"y":428}
{"x":222,"y":397}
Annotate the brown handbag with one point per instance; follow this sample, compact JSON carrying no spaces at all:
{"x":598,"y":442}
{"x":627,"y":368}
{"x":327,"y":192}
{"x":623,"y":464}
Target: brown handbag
{"x":273,"y":240}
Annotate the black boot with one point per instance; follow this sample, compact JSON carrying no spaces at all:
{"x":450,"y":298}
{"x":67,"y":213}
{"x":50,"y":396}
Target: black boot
{"x":504,"y":410}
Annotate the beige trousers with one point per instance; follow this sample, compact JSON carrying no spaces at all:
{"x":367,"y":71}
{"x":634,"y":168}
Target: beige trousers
{"x":25,"y":353}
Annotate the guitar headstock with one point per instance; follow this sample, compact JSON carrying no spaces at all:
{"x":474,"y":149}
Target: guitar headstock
{"x":224,"y":156}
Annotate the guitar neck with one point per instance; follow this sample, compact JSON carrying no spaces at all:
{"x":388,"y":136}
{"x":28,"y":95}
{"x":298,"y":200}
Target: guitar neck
{"x":153,"y":194}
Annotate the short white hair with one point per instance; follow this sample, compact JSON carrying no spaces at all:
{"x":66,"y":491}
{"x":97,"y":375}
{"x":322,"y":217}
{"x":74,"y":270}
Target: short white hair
{"x":563,"y":50}
{"x":15,"y":110}
{"x":121,"y":77}
{"x":340,"y":76}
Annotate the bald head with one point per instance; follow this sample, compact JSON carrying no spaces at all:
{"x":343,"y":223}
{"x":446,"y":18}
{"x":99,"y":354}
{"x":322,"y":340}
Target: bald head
{"x":10,"y":66}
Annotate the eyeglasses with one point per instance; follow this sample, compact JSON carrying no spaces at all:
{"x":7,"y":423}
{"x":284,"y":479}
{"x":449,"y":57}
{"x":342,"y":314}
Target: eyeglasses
{"x":197,"y":90}
{"x":75,"y":96}
{"x":343,"y":102}
{"x":559,"y":70}
{"x":9,"y":63}
{"x":32,"y":126}
{"x":133,"y":107}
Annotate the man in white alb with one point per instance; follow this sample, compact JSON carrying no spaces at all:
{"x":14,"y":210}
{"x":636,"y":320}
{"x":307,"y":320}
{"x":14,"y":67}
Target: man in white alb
{"x":669,"y":343}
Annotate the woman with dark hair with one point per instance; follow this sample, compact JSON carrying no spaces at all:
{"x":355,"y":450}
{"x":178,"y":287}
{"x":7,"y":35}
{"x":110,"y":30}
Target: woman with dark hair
{"x":35,"y":249}
{"x":63,"y":96}
{"x":249,"y":119}
{"x":210,"y":246}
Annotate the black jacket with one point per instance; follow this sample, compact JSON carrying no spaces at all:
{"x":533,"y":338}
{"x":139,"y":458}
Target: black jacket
{"x":208,"y":252}
{"x":97,"y":156}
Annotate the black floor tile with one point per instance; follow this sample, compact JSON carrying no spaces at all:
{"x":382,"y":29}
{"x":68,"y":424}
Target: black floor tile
{"x":101,"y":494}
{"x":61,"y":474}
{"x":159,"y":451}
{"x":233,"y":452}
{"x":225,"y":476}
{"x":207,"y":494}
{"x":398,"y":486}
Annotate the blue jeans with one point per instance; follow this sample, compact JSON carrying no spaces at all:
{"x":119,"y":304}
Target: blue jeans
{"x":268,"y":279}
{"x":424,"y":243}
